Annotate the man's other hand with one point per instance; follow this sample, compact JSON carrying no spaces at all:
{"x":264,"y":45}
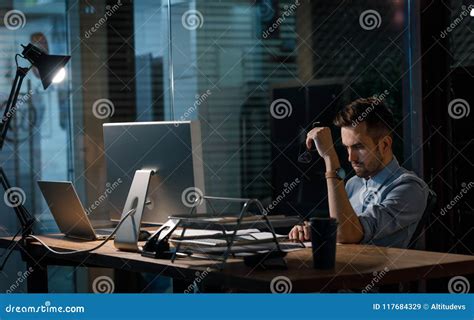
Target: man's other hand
{"x":300,"y":232}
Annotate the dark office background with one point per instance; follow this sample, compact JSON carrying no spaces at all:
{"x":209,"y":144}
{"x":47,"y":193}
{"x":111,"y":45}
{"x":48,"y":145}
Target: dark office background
{"x":318,"y":59}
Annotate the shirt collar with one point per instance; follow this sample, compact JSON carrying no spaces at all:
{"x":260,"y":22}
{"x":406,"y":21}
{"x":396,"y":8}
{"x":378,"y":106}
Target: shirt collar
{"x":390,"y":169}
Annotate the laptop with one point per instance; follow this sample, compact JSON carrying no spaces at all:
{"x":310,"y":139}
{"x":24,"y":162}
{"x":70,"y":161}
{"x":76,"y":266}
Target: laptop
{"x":68,"y":212}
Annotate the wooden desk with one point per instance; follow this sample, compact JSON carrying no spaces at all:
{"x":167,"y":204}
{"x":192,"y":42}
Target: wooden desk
{"x":356,"y":266}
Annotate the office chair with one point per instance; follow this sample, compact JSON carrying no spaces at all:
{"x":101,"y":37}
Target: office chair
{"x":405,"y":287}
{"x":430,"y":205}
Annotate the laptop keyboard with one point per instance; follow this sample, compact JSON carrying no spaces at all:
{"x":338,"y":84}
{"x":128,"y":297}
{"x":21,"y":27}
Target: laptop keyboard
{"x":103,"y":232}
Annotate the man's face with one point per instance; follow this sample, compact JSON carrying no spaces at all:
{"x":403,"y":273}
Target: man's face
{"x":363,"y":153}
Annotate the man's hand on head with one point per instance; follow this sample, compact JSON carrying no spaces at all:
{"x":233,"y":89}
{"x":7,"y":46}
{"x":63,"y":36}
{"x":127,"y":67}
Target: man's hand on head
{"x":321,"y":137}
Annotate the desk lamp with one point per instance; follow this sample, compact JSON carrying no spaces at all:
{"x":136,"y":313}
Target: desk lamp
{"x":51,"y":70}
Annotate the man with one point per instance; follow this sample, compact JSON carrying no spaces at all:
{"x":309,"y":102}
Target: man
{"x":383,"y":203}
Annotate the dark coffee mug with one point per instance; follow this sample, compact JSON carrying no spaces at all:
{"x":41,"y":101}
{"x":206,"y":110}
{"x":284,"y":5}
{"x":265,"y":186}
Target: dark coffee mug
{"x":323,"y":241}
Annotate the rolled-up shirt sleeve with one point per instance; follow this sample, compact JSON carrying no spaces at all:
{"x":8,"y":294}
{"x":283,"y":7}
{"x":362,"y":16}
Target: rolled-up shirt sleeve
{"x":401,"y":208}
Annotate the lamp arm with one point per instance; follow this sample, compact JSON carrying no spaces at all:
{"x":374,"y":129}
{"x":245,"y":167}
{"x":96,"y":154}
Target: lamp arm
{"x":10,"y":108}
{"x":25,"y":218}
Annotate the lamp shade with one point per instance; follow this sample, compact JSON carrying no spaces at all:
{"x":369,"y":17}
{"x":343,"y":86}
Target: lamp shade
{"x":48,"y":65}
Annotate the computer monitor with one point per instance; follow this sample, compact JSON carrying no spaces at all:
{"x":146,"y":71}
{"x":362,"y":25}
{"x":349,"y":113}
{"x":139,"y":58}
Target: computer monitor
{"x":172,"y":148}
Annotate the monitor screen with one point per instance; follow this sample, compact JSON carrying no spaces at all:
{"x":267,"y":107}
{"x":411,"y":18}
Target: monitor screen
{"x":171,"y":148}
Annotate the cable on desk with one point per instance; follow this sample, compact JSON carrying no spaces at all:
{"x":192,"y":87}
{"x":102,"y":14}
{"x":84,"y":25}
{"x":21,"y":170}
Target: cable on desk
{"x":129,"y":213}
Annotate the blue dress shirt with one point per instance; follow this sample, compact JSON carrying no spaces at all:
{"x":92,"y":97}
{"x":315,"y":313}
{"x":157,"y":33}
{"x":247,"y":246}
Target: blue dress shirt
{"x":389,"y":205}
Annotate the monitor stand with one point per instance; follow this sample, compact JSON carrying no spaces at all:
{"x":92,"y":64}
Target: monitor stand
{"x":126,"y":237}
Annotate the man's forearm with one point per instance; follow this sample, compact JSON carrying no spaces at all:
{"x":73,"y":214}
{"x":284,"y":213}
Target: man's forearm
{"x":350,"y":230}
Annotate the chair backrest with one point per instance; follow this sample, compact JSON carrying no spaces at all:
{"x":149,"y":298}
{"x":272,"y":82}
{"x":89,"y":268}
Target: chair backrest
{"x":430,"y":205}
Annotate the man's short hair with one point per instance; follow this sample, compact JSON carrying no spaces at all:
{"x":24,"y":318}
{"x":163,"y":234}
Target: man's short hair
{"x":373,"y":111}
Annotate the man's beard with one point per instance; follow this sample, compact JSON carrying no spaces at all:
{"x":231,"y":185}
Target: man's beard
{"x":360,"y":170}
{"x":363,"y":171}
